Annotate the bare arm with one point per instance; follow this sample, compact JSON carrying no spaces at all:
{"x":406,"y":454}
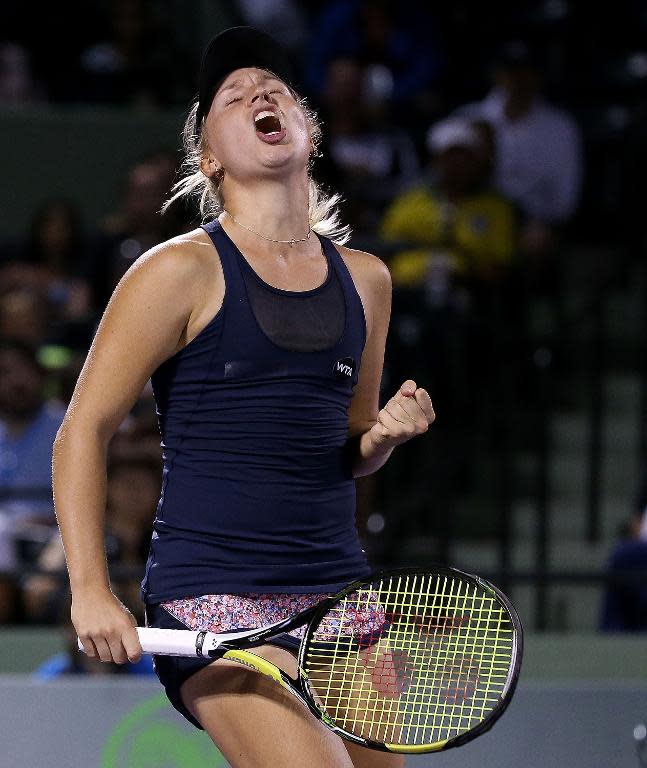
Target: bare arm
{"x":373,"y":433}
{"x":142,"y":326}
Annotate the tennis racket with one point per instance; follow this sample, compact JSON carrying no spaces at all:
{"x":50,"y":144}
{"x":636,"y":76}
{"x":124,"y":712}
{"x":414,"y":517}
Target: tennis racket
{"x":405,"y":661}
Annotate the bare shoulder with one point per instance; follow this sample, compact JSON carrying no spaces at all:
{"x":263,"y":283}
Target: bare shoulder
{"x":184,"y":274}
{"x":369,"y":272}
{"x":373,"y":283}
{"x":180,"y":259}
{"x":366,"y":266}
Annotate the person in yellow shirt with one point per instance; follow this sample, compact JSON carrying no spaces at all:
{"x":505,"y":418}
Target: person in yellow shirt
{"x":454,"y":228}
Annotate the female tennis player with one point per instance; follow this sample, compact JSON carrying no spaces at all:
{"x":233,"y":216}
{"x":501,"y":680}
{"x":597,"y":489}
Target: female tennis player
{"x":264,"y":338}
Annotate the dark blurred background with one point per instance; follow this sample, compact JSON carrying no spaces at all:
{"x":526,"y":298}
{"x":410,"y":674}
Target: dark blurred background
{"x":492,"y":154}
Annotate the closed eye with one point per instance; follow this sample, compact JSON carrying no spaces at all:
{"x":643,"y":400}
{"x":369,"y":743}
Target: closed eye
{"x":239,"y":98}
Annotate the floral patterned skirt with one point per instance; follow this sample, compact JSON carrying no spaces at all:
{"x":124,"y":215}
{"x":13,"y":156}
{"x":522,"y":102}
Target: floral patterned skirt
{"x":227,"y":613}
{"x":364,"y":621}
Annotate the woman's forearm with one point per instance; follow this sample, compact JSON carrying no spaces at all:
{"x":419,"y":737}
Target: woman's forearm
{"x":367,"y":457}
{"x":79,"y":483}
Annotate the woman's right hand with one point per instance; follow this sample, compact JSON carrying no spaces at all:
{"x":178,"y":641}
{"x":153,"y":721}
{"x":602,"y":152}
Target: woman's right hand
{"x":105,"y":627}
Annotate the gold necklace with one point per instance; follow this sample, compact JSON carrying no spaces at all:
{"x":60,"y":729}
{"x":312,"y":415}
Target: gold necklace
{"x":289,"y":242}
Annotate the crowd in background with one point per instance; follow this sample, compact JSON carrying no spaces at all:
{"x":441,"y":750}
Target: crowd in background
{"x":466,"y":177}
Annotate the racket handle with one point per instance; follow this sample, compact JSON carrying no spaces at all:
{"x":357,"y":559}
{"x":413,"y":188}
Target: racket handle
{"x":169,"y":642}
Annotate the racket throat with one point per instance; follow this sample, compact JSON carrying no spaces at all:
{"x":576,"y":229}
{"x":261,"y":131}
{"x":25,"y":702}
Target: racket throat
{"x":265,"y":667}
{"x":219,"y":644}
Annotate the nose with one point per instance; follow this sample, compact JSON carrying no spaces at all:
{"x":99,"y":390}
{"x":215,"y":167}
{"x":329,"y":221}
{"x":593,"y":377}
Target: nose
{"x":261,"y":93}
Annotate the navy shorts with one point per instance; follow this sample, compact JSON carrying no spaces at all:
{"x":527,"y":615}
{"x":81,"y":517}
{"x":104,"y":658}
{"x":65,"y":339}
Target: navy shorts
{"x":173,"y":671}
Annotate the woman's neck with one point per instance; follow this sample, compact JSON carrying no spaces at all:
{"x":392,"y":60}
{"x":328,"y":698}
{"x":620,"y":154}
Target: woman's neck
{"x":272,"y":209}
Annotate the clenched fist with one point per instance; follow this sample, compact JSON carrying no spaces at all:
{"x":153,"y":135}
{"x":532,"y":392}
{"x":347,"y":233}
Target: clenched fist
{"x":407,"y":414}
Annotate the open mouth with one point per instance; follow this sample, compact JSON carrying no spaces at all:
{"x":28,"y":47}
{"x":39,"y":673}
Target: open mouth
{"x":267,"y":123}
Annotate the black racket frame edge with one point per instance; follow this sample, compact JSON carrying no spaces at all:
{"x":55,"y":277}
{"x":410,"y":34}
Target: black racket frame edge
{"x":312,"y":616}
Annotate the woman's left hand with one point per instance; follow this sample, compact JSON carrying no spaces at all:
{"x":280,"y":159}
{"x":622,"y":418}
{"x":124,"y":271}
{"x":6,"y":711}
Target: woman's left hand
{"x":407,"y":414}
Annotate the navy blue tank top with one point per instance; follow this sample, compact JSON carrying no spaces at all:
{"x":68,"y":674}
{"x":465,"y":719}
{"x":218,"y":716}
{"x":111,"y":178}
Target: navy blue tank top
{"x":258,"y":493}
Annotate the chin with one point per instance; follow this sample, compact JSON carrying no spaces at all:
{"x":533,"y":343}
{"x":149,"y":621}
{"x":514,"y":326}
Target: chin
{"x":283,"y":156}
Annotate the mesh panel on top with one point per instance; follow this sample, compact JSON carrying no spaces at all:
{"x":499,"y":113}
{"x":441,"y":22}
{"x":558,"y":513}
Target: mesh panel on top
{"x":307,"y":321}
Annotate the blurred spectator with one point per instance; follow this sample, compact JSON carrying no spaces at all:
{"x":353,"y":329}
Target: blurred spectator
{"x":456,"y":227}
{"x":128,"y":66}
{"x":28,"y":426}
{"x":51,"y":263}
{"x":397,"y":37}
{"x":56,"y":245}
{"x":137,"y":226}
{"x":364,"y":156}
{"x":132,"y":494}
{"x":17,"y":85}
{"x":539,"y":154}
{"x":625,"y":601}
{"x":25,"y":316}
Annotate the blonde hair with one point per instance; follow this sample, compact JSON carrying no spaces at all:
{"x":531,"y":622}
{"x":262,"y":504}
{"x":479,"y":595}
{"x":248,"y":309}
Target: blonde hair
{"x":323,"y":213}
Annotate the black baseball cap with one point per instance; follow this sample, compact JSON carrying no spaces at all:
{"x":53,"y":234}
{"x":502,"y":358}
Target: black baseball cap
{"x":232,"y":49}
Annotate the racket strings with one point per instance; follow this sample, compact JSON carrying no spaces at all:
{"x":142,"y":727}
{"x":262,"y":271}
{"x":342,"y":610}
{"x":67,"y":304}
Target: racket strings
{"x":412,"y":660}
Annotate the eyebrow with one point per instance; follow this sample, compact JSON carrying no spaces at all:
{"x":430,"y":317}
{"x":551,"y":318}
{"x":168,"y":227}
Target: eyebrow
{"x":238,"y":81}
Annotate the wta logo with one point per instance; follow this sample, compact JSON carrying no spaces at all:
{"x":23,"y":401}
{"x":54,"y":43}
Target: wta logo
{"x":344,"y":368}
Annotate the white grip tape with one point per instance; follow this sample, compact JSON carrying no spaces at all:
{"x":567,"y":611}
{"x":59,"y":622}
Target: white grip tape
{"x":167,"y":642}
